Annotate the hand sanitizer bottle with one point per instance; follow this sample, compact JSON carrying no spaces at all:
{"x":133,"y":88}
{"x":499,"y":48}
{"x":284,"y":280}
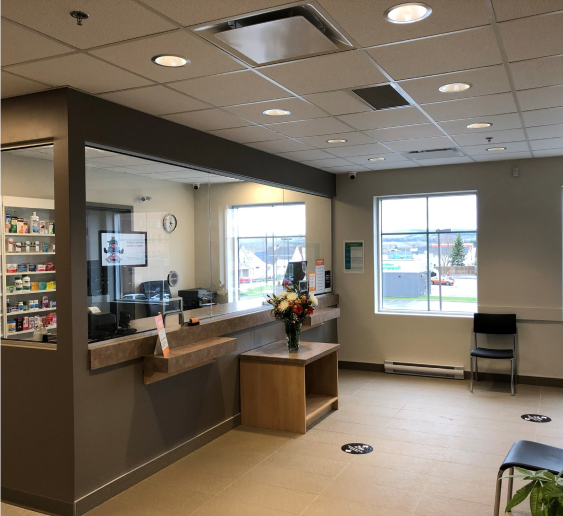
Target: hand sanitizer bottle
{"x":34,"y":223}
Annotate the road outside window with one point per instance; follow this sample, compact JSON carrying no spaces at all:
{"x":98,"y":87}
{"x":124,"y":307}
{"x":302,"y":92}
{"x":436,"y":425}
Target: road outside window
{"x":428,"y":253}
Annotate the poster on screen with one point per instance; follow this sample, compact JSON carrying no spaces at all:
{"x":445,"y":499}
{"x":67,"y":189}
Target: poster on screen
{"x":127,"y":249}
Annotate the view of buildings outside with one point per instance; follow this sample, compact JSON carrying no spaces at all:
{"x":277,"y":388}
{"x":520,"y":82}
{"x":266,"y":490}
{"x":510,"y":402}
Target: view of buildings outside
{"x":428,"y":253}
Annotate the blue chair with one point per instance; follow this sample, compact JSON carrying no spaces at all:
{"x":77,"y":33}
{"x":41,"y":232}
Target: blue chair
{"x":495,"y":324}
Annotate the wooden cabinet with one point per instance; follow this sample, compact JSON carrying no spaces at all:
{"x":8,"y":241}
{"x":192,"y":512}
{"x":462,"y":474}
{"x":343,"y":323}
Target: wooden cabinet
{"x":288,"y":391}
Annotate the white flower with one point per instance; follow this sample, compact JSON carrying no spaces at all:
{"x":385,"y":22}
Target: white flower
{"x":282,"y":294}
{"x":313,"y":299}
{"x":292,"y":296}
{"x":283,"y":305}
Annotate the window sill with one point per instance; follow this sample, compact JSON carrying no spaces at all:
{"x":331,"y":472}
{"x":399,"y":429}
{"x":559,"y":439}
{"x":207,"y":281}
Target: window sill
{"x":428,"y":314}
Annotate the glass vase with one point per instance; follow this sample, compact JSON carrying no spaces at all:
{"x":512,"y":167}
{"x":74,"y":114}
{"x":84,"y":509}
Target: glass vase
{"x":292,"y":335}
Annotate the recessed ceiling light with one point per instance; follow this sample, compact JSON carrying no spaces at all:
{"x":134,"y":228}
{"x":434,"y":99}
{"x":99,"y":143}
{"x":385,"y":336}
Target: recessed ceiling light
{"x":408,"y":13}
{"x":494,"y":149}
{"x":480,"y":125}
{"x":170,"y":61}
{"x":336,"y":141}
{"x":376,"y":159}
{"x":455,"y":87}
{"x":276,"y":112}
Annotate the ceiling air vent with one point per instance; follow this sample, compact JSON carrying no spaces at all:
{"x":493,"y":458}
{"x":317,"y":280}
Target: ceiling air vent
{"x":381,"y":97}
{"x":277,"y":35}
{"x":451,"y":152}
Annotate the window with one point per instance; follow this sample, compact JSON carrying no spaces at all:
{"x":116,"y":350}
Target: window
{"x":268,"y":248}
{"x":427,"y":253}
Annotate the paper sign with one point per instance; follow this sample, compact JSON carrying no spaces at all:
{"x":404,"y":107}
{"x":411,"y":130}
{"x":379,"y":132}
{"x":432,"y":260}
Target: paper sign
{"x":320,"y":275}
{"x":354,"y":256}
{"x":312,"y":282}
{"x":162,"y":343}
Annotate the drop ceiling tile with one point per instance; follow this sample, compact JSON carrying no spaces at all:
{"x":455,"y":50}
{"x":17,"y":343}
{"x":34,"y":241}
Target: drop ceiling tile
{"x":500,"y":122}
{"x":509,"y":135}
{"x":407,"y":163}
{"x":338,"y":102}
{"x":299,"y":110}
{"x":389,"y":158}
{"x":552,"y":143}
{"x":540,"y":98}
{"x":20,"y":44}
{"x":117,"y":160}
{"x":440,"y":54}
{"x":329,"y":163}
{"x":156,"y":100}
{"x":476,"y":106}
{"x":110,"y":20}
{"x":483,"y":81}
{"x":545,"y":131}
{"x":501,"y":156}
{"x":12,"y":85}
{"x":192,"y":12}
{"x":79,"y":71}
{"x":232,"y":88}
{"x":549,"y":116}
{"x":548,"y":153}
{"x":535,"y":73}
{"x":279,"y":146}
{"x":407,"y":132}
{"x":353,"y":138}
{"x":528,"y":38}
{"x":136,"y":56}
{"x":359,"y":150}
{"x":208,"y":119}
{"x":248,"y":134}
{"x":385,"y":118}
{"x":510,"y":9}
{"x":365,"y":22}
{"x":474,"y":150}
{"x":315,"y":127}
{"x":152,"y":168}
{"x":325,"y":73}
{"x":444,"y":161}
{"x":307,"y":155}
{"x":441,"y":142}
{"x":342,"y":170}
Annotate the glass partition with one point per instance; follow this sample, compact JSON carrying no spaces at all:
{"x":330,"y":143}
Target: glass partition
{"x":29,"y":285}
{"x":164,"y":239}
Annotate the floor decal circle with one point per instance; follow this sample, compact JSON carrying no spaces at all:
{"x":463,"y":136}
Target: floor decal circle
{"x":536,"y":418}
{"x":357,"y":448}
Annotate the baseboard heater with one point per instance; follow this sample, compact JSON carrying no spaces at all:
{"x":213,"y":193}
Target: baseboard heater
{"x":438,"y":371}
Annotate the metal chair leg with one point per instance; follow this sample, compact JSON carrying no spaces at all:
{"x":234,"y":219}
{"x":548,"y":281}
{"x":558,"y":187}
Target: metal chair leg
{"x":471,"y":378}
{"x":512,"y":391}
{"x":497,"y":492}
{"x":476,"y":369}
{"x":510,"y":484}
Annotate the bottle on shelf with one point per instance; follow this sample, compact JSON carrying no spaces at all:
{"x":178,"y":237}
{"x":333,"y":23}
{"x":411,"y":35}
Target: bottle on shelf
{"x":39,"y":331}
{"x":34,"y":223}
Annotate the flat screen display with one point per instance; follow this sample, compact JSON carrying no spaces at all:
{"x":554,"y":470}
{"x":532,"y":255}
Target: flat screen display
{"x":127,"y":249}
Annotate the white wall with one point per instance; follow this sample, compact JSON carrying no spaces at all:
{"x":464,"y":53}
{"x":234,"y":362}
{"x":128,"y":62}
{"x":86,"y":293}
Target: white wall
{"x":519,"y":258}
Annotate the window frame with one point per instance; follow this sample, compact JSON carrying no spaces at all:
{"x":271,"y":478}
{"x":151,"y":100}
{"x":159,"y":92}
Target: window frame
{"x":378,"y":261}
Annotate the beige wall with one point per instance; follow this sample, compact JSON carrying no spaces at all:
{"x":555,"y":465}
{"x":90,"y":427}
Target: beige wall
{"x":519,"y":259}
{"x":318,"y":224}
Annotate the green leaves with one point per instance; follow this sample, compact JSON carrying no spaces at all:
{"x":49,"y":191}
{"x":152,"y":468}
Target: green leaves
{"x":520,"y":496}
{"x":545,"y":491}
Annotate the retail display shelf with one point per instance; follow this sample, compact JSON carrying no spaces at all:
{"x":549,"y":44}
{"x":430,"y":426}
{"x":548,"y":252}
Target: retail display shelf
{"x":29,"y":254}
{"x":23,"y":292}
{"x":12,"y":333}
{"x":28,"y":235}
{"x":31,"y":312}
{"x":29,"y":273}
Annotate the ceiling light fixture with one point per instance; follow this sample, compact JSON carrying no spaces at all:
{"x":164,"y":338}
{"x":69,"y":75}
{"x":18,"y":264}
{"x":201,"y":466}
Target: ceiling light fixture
{"x":495,"y":149}
{"x":336,"y":141}
{"x":170,"y":61}
{"x":480,"y":125}
{"x":408,"y":13}
{"x":276,"y":112}
{"x":455,"y":87}
{"x":376,"y":159}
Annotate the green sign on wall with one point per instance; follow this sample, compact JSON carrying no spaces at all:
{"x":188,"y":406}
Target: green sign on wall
{"x":354,"y":256}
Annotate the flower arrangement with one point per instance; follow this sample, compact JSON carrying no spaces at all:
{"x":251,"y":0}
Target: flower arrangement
{"x":292,"y":307}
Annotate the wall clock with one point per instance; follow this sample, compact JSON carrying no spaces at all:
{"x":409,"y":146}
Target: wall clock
{"x":169,"y":223}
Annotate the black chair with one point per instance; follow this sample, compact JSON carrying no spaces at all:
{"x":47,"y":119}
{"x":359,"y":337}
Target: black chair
{"x":528,"y":455}
{"x":495,"y":324}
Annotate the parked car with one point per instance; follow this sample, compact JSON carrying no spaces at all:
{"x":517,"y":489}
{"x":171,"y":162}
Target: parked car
{"x":245,"y":279}
{"x":446,"y":280}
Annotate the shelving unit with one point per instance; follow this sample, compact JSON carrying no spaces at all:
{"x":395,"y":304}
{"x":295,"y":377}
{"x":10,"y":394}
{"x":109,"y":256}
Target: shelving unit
{"x":23,"y":207}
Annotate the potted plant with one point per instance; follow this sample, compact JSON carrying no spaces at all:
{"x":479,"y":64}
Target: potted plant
{"x":544,"y":489}
{"x":292,"y":307}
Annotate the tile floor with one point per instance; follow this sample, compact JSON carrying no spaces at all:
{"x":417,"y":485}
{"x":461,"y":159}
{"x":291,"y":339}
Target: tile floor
{"x":437,"y":448}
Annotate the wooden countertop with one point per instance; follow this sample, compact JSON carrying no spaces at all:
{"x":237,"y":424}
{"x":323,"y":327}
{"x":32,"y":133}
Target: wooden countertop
{"x":277,"y":352}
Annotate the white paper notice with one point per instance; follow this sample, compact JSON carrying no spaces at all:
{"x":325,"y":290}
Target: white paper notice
{"x":320,"y":276}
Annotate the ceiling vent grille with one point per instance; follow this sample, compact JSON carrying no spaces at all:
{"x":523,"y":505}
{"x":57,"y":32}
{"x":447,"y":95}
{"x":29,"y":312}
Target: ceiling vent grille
{"x":275,"y":36}
{"x":451,"y":152}
{"x":381,"y":97}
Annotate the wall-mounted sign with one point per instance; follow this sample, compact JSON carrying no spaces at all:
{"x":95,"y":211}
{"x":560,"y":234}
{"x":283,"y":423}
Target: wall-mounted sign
{"x":354,"y":256}
{"x":162,"y":341}
{"x":536,"y":418}
{"x":357,"y":448}
{"x":320,"y":276}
